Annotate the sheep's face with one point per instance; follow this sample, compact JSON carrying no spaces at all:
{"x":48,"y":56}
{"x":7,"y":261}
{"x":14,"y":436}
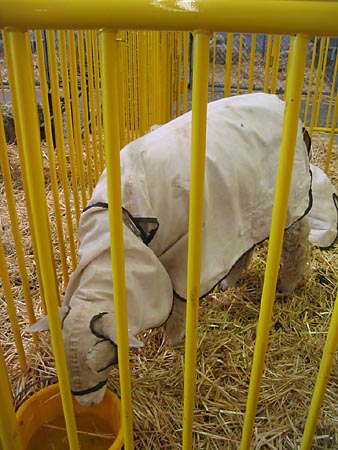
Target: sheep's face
{"x":90,"y":341}
{"x":90,"y":353}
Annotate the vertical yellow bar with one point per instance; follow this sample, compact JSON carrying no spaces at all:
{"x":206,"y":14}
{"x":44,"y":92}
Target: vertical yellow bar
{"x":334,"y":78}
{"x":84,"y":97}
{"x":228,"y":65}
{"x":112,"y":146}
{"x":11,"y":205}
{"x":133,"y":85}
{"x":6,"y":286}
{"x":29,"y":130}
{"x":98,"y":96}
{"x":317,"y":84}
{"x":2,"y":89}
{"x":285,"y":166}
{"x":197,"y":168}
{"x":332,"y":135}
{"x":267,"y":64}
{"x":213,"y":66}
{"x":275,"y":65}
{"x":10,"y":72}
{"x":292,"y":46}
{"x":9,"y":431}
{"x":122,"y":84}
{"x":91,"y":95}
{"x":69,"y":121}
{"x":76,"y":114}
{"x":164,"y":76}
{"x":185,"y":71}
{"x":239,"y":66}
{"x":178,"y":72}
{"x":328,"y":357}
{"x":151,"y":76}
{"x":321,"y":84}
{"x":252,"y":62}
{"x":157,"y":76}
{"x":306,"y":112}
{"x":60,"y":143}
{"x":51,"y":156}
{"x":142,"y":82}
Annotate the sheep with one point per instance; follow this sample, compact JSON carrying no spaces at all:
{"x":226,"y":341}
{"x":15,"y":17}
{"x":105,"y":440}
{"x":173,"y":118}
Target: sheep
{"x":243,"y":139}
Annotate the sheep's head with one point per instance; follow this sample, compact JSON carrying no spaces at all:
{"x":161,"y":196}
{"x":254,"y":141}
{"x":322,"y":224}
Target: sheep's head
{"x":91,"y":348}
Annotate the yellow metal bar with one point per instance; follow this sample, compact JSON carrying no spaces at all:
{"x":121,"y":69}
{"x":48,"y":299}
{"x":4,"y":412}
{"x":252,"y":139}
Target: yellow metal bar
{"x":239,"y":64}
{"x":6,"y":286}
{"x":28,"y":123}
{"x":335,"y":73}
{"x":60,"y":144}
{"x":213,"y":67}
{"x":275,"y":64}
{"x":122,"y":86}
{"x":98,"y":97}
{"x":171,"y":85}
{"x":112,"y":146}
{"x":197,"y":169}
{"x":9,"y":430}
{"x":91,"y":96}
{"x":142,"y":62}
{"x":267,"y":64}
{"x":11,"y":205}
{"x":319,"y":95}
{"x":332,"y":135}
{"x":289,"y":136}
{"x":292,"y":46}
{"x":84,"y":97}
{"x":51,"y":155}
{"x":185,"y":71}
{"x":178,"y":72}
{"x":2,"y":88}
{"x":308,"y":96}
{"x":325,"y":130}
{"x":135,"y":103}
{"x":75,"y":114}
{"x":328,"y":358}
{"x":164,"y":77}
{"x":315,"y":104}
{"x":15,"y":105}
{"x":252,"y":62}
{"x":262,"y":16}
{"x":228,"y":65}
{"x":69,"y":122}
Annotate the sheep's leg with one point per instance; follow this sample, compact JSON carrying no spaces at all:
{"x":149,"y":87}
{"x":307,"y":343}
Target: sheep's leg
{"x":175,"y":325}
{"x":294,"y":255}
{"x":236,"y":272}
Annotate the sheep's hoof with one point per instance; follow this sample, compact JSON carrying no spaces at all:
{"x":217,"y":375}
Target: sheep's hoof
{"x":175,"y":325}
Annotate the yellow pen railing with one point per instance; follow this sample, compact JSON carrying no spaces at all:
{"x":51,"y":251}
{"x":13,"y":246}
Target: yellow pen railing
{"x":290,"y":125}
{"x":9,"y":430}
{"x":112,"y":145}
{"x":31,"y":154}
{"x":144,"y":96}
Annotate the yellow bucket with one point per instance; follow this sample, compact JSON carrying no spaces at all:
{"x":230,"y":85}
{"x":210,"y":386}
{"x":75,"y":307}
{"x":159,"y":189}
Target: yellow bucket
{"x":42,"y":425}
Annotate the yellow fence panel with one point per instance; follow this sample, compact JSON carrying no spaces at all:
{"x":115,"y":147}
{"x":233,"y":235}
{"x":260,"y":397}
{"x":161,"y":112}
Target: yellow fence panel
{"x":98,"y":91}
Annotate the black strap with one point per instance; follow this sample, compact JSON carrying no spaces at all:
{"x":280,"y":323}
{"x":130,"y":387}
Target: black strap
{"x":143,"y":227}
{"x":95,"y":388}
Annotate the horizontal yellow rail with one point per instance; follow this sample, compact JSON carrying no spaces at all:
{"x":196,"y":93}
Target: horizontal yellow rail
{"x":262,"y":16}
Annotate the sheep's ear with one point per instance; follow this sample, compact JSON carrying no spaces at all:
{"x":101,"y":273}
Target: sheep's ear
{"x":103,"y":326}
{"x":43,"y":325}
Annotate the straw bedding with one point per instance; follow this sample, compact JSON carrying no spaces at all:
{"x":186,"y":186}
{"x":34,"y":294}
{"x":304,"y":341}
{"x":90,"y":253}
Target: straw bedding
{"x":226,"y":340}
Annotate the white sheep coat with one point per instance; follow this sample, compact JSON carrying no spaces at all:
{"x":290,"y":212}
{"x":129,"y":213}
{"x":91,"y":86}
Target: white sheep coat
{"x":243,"y":140}
{"x":323,"y":215}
